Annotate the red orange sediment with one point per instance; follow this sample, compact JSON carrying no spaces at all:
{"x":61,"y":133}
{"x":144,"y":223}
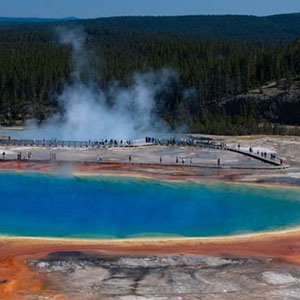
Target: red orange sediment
{"x":17,"y":279}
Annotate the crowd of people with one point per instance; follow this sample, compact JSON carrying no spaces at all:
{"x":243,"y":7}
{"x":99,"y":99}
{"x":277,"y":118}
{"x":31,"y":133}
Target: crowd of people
{"x":54,"y":142}
{"x":190,"y":141}
{"x":109,"y":142}
{"x":264,"y":154}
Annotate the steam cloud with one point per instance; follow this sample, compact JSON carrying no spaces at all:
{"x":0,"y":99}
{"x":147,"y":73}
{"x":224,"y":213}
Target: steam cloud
{"x":92,"y":113}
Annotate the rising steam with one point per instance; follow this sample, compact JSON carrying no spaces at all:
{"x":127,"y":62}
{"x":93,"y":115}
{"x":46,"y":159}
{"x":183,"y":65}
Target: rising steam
{"x":92,"y":113}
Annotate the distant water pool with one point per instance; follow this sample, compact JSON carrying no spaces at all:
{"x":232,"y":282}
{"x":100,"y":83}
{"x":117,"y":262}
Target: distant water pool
{"x":117,"y":207}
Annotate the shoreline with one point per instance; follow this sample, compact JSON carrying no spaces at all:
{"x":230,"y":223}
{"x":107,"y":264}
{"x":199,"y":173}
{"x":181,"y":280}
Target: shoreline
{"x":158,"y":244}
{"x":140,"y":175}
{"x":158,"y":239}
{"x":148,"y":171}
{"x":284,"y":244}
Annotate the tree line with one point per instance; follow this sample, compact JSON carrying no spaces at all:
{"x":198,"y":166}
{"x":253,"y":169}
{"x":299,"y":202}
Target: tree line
{"x":34,"y":68}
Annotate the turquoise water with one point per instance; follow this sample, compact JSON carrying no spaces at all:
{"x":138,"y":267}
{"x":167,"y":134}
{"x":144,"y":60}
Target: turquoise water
{"x":114,"y":207}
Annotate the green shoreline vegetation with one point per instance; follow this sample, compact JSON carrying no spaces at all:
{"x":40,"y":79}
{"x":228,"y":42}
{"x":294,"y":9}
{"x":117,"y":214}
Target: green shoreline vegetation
{"x":34,"y":69}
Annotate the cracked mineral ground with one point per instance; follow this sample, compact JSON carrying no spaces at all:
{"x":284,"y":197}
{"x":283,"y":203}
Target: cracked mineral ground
{"x":90,"y":276}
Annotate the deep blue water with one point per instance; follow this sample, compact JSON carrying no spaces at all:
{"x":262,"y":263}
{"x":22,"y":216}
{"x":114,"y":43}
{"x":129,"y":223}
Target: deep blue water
{"x":101,"y":207}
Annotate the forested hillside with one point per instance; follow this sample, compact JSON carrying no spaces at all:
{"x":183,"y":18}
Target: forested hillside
{"x":7,"y":20}
{"x":34,"y":69}
{"x":275,"y":29}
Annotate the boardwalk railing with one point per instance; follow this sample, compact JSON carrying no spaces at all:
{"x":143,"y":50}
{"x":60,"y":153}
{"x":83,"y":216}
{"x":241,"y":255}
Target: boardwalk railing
{"x":274,"y":161}
{"x":135,"y":143}
{"x":72,"y":144}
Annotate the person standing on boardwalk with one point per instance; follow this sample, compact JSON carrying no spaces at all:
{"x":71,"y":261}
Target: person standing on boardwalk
{"x":129,"y":158}
{"x":219,"y":161}
{"x":160,"y":159}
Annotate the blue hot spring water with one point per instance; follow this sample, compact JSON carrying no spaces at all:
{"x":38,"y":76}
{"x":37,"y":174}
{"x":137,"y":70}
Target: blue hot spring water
{"x":117,"y":207}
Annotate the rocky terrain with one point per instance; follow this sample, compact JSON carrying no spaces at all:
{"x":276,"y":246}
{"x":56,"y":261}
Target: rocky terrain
{"x":272,"y":103}
{"x":91,"y":276}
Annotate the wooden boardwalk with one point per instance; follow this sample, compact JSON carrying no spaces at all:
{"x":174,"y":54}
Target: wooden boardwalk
{"x":275,"y":162}
{"x":53,"y":143}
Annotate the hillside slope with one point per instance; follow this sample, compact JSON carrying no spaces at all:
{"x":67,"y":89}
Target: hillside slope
{"x":276,"y":28}
{"x":9,"y":20}
{"x":35,"y":69}
{"x":272,"y":103}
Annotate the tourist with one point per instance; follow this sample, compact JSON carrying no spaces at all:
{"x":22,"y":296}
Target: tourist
{"x":3,"y":155}
{"x":176,"y":160}
{"x":191,"y":161}
{"x":52,"y":156}
{"x":183,"y":161}
{"x":219,"y":161}
{"x":160,"y":159}
{"x":129,"y":158}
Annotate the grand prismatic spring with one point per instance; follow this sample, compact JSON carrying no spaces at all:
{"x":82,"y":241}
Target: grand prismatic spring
{"x":40,"y":205}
